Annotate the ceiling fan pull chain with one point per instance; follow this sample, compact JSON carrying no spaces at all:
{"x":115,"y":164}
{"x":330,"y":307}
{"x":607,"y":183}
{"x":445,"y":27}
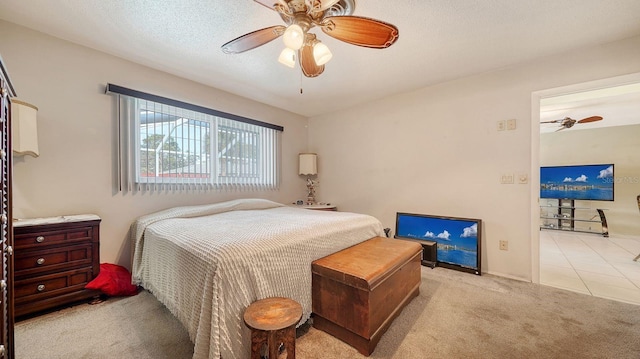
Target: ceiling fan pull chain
{"x":301,"y":82}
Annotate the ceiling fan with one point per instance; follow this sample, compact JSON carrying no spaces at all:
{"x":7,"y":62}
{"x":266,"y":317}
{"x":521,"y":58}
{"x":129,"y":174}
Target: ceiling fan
{"x":568,"y":122}
{"x":333,"y":17}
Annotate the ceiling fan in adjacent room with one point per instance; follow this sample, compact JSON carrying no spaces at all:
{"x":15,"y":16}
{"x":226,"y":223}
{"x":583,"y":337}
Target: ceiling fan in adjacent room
{"x":568,"y":122}
{"x":333,"y":17}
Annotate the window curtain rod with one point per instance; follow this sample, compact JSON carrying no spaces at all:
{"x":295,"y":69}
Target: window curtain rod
{"x":111,"y":88}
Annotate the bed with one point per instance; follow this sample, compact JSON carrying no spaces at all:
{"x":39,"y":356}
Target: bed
{"x":207,"y":263}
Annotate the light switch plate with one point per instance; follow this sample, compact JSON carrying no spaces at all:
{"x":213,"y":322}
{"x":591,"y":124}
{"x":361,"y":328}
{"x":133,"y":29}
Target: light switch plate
{"x":506,"y":178}
{"x":501,"y":125}
{"x":511,"y":124}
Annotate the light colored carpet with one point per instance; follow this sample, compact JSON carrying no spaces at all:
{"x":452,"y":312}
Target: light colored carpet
{"x":456,"y":315}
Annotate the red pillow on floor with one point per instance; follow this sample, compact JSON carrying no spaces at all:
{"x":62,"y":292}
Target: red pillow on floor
{"x":113,"y":280}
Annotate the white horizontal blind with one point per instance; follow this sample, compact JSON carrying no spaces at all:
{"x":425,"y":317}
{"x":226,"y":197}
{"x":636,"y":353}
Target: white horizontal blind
{"x":168,"y":148}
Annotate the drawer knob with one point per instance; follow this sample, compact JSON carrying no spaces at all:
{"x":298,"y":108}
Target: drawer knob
{"x":3,"y":285}
{"x":40,"y":261}
{"x":4,"y":219}
{"x":10,"y":250}
{"x":3,"y":154}
{"x":40,"y":287}
{"x":39,"y":239}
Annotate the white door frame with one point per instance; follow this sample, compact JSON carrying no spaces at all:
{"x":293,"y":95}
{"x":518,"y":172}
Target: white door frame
{"x":535,"y":152}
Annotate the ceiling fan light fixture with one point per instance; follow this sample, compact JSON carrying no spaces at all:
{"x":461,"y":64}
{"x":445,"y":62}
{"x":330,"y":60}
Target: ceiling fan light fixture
{"x":325,"y":4}
{"x":288,"y":57}
{"x":321,"y":53}
{"x":293,"y":37}
{"x":301,"y":17}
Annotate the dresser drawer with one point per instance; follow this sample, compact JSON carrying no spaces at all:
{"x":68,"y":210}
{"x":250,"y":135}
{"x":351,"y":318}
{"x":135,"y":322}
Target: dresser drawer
{"x":52,"y":238}
{"x":36,"y":261}
{"x":51,"y":285}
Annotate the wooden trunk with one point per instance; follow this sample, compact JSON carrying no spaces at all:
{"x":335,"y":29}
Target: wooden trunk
{"x":358,"y":291}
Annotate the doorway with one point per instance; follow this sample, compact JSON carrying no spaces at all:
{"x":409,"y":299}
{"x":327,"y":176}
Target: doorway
{"x":584,"y":259}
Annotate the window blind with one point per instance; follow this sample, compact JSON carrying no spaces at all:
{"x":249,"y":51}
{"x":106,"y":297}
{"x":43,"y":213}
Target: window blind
{"x":166,"y":147}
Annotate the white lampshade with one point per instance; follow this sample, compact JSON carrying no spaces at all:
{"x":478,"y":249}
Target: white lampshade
{"x":24,"y":128}
{"x":321,"y":53}
{"x":308,"y":164}
{"x":293,"y":37}
{"x":288,"y":57}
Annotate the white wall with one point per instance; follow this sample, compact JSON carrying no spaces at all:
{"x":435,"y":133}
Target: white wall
{"x":437,"y":150}
{"x":618,"y":145}
{"x":77,"y":141}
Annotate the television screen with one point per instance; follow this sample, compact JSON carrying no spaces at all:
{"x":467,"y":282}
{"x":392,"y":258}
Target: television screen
{"x":458,"y":239}
{"x":579,"y":182}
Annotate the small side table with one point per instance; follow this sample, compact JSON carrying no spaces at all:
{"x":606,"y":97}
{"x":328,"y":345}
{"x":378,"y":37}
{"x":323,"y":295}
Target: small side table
{"x":318,"y":207}
{"x":273,"y":322}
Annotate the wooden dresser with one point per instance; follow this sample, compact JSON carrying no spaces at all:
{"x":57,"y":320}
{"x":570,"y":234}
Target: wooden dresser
{"x":54,"y":259}
{"x":6,"y":241}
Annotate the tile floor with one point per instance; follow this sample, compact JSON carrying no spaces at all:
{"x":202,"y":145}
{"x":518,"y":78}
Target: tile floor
{"x":591,"y":264}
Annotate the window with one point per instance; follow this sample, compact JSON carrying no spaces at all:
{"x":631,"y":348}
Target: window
{"x":169,"y":147}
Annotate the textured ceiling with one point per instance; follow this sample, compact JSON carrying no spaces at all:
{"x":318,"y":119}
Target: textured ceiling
{"x":439,"y":40}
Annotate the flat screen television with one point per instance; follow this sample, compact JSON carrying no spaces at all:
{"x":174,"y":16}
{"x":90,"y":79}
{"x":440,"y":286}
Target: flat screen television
{"x":577,"y":182}
{"x":457,"y":239}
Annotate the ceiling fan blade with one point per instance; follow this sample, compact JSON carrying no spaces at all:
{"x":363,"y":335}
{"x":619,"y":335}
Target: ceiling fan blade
{"x":253,"y":39}
{"x":560,"y":129}
{"x":361,"y":31}
{"x":554,"y":121}
{"x":590,"y":119}
{"x":308,"y":63}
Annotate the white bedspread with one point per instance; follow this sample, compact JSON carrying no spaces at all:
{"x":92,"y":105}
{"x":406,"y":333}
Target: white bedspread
{"x":208,"y":263}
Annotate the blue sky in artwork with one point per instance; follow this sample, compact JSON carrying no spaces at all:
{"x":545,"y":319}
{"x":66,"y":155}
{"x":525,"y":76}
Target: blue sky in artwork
{"x":441,"y":230}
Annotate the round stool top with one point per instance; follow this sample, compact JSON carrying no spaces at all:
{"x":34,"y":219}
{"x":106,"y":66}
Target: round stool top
{"x":273,"y":313}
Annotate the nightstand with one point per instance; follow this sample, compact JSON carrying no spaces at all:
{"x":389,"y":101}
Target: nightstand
{"x":318,"y":207}
{"x":54,"y":259}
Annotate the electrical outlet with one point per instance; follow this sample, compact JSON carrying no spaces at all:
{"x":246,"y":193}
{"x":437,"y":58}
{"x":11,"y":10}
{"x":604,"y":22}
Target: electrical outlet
{"x":504,"y":245}
{"x":511,"y":124}
{"x":501,"y":125}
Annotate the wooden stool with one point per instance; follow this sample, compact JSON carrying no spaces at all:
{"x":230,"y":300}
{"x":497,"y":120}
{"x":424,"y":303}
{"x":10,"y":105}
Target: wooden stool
{"x":273,"y":322}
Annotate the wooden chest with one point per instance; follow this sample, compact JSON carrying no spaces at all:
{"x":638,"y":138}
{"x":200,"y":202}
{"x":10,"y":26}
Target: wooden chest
{"x":358,"y":291}
{"x":54,"y":259}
